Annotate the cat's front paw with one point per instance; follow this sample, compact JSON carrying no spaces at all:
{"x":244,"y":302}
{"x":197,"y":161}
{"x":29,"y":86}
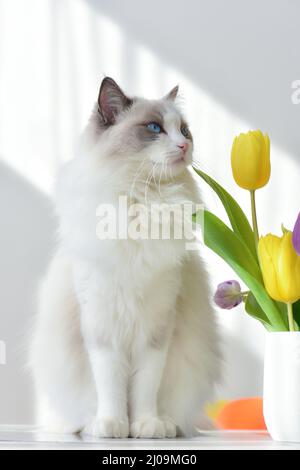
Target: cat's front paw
{"x":152,"y":427}
{"x":107,"y":427}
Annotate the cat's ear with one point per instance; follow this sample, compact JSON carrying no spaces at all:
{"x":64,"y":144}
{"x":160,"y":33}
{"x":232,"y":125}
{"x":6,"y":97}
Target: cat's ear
{"x":173,"y":93}
{"x":111,"y":101}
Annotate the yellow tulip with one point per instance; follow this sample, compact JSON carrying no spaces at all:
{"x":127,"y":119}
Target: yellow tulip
{"x":280,"y":265}
{"x":250,"y":160}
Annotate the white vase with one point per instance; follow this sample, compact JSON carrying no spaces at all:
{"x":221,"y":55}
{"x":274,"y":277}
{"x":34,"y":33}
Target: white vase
{"x":282,"y":386}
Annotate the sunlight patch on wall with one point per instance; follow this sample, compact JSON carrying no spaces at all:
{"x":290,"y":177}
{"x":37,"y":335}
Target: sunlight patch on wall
{"x":50,"y":74}
{"x":51,"y":68}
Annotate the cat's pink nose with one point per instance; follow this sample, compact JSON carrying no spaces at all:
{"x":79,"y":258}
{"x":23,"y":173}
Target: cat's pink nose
{"x":184,"y":146}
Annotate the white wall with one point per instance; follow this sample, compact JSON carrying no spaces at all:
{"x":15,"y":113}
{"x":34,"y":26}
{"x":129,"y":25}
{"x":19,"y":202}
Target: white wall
{"x":235,"y":62}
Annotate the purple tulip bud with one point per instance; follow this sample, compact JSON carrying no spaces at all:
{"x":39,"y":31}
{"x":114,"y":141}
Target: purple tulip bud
{"x":296,"y":235}
{"x":228,"y":295}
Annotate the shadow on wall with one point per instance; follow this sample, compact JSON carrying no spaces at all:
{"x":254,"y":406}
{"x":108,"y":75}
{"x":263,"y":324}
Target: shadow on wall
{"x":27,"y":239}
{"x":247,"y":60}
{"x":242,"y":367}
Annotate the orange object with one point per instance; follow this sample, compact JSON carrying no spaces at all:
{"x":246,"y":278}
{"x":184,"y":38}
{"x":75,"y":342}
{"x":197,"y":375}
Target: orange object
{"x":244,"y":414}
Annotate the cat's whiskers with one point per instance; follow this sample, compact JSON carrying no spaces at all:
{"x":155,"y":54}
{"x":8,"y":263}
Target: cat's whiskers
{"x":135,"y":179}
{"x":168,"y":167}
{"x":160,"y":177}
{"x":157,"y":165}
{"x":197,"y":164}
{"x":147,"y":185}
{"x":153,"y":170}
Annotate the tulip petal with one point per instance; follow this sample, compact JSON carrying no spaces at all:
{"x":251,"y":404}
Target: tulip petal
{"x":296,"y":235}
{"x":286,"y":262}
{"x":228,"y":295}
{"x":267,"y":247}
{"x":250,"y":160}
{"x":280,"y":266}
{"x":265,"y":172}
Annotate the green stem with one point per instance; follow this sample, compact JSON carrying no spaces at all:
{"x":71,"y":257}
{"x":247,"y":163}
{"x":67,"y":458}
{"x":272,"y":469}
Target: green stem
{"x":290,"y":317}
{"x":254,"y":219}
{"x":245,"y":294}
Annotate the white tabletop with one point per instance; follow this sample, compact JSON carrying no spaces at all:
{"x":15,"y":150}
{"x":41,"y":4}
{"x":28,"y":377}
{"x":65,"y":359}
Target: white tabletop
{"x":30,"y":437}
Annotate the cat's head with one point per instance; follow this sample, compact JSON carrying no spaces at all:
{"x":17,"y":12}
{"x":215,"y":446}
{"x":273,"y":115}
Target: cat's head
{"x":140,"y":130}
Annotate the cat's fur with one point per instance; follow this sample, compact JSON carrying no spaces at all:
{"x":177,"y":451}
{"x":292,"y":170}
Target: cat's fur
{"x":125,"y":339}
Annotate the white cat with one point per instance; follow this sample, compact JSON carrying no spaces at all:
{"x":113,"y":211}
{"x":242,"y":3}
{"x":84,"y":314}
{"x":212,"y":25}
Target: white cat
{"x":125,"y":340}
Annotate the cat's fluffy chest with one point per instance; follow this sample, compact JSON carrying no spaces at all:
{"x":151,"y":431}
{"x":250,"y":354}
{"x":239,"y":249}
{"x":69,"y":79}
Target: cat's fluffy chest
{"x":132,"y":281}
{"x":135,"y":299}
{"x":81,"y":207}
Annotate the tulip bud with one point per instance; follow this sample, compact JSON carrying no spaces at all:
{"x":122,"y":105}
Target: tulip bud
{"x":280,"y":267}
{"x":296,"y":235}
{"x":228,"y":295}
{"x":250,"y":160}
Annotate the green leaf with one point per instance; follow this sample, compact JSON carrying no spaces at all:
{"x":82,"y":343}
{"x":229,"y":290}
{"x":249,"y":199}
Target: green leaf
{"x":253,"y":308}
{"x":225,"y":243}
{"x":296,"y":312}
{"x":237,"y":217}
{"x":228,"y":245}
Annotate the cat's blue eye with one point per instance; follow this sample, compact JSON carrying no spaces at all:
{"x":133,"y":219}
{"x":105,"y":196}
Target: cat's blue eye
{"x":154,"y":127}
{"x":185,"y":132}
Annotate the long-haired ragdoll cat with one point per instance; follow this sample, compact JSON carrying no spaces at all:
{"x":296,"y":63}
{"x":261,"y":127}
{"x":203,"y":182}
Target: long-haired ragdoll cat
{"x":125,"y":339}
